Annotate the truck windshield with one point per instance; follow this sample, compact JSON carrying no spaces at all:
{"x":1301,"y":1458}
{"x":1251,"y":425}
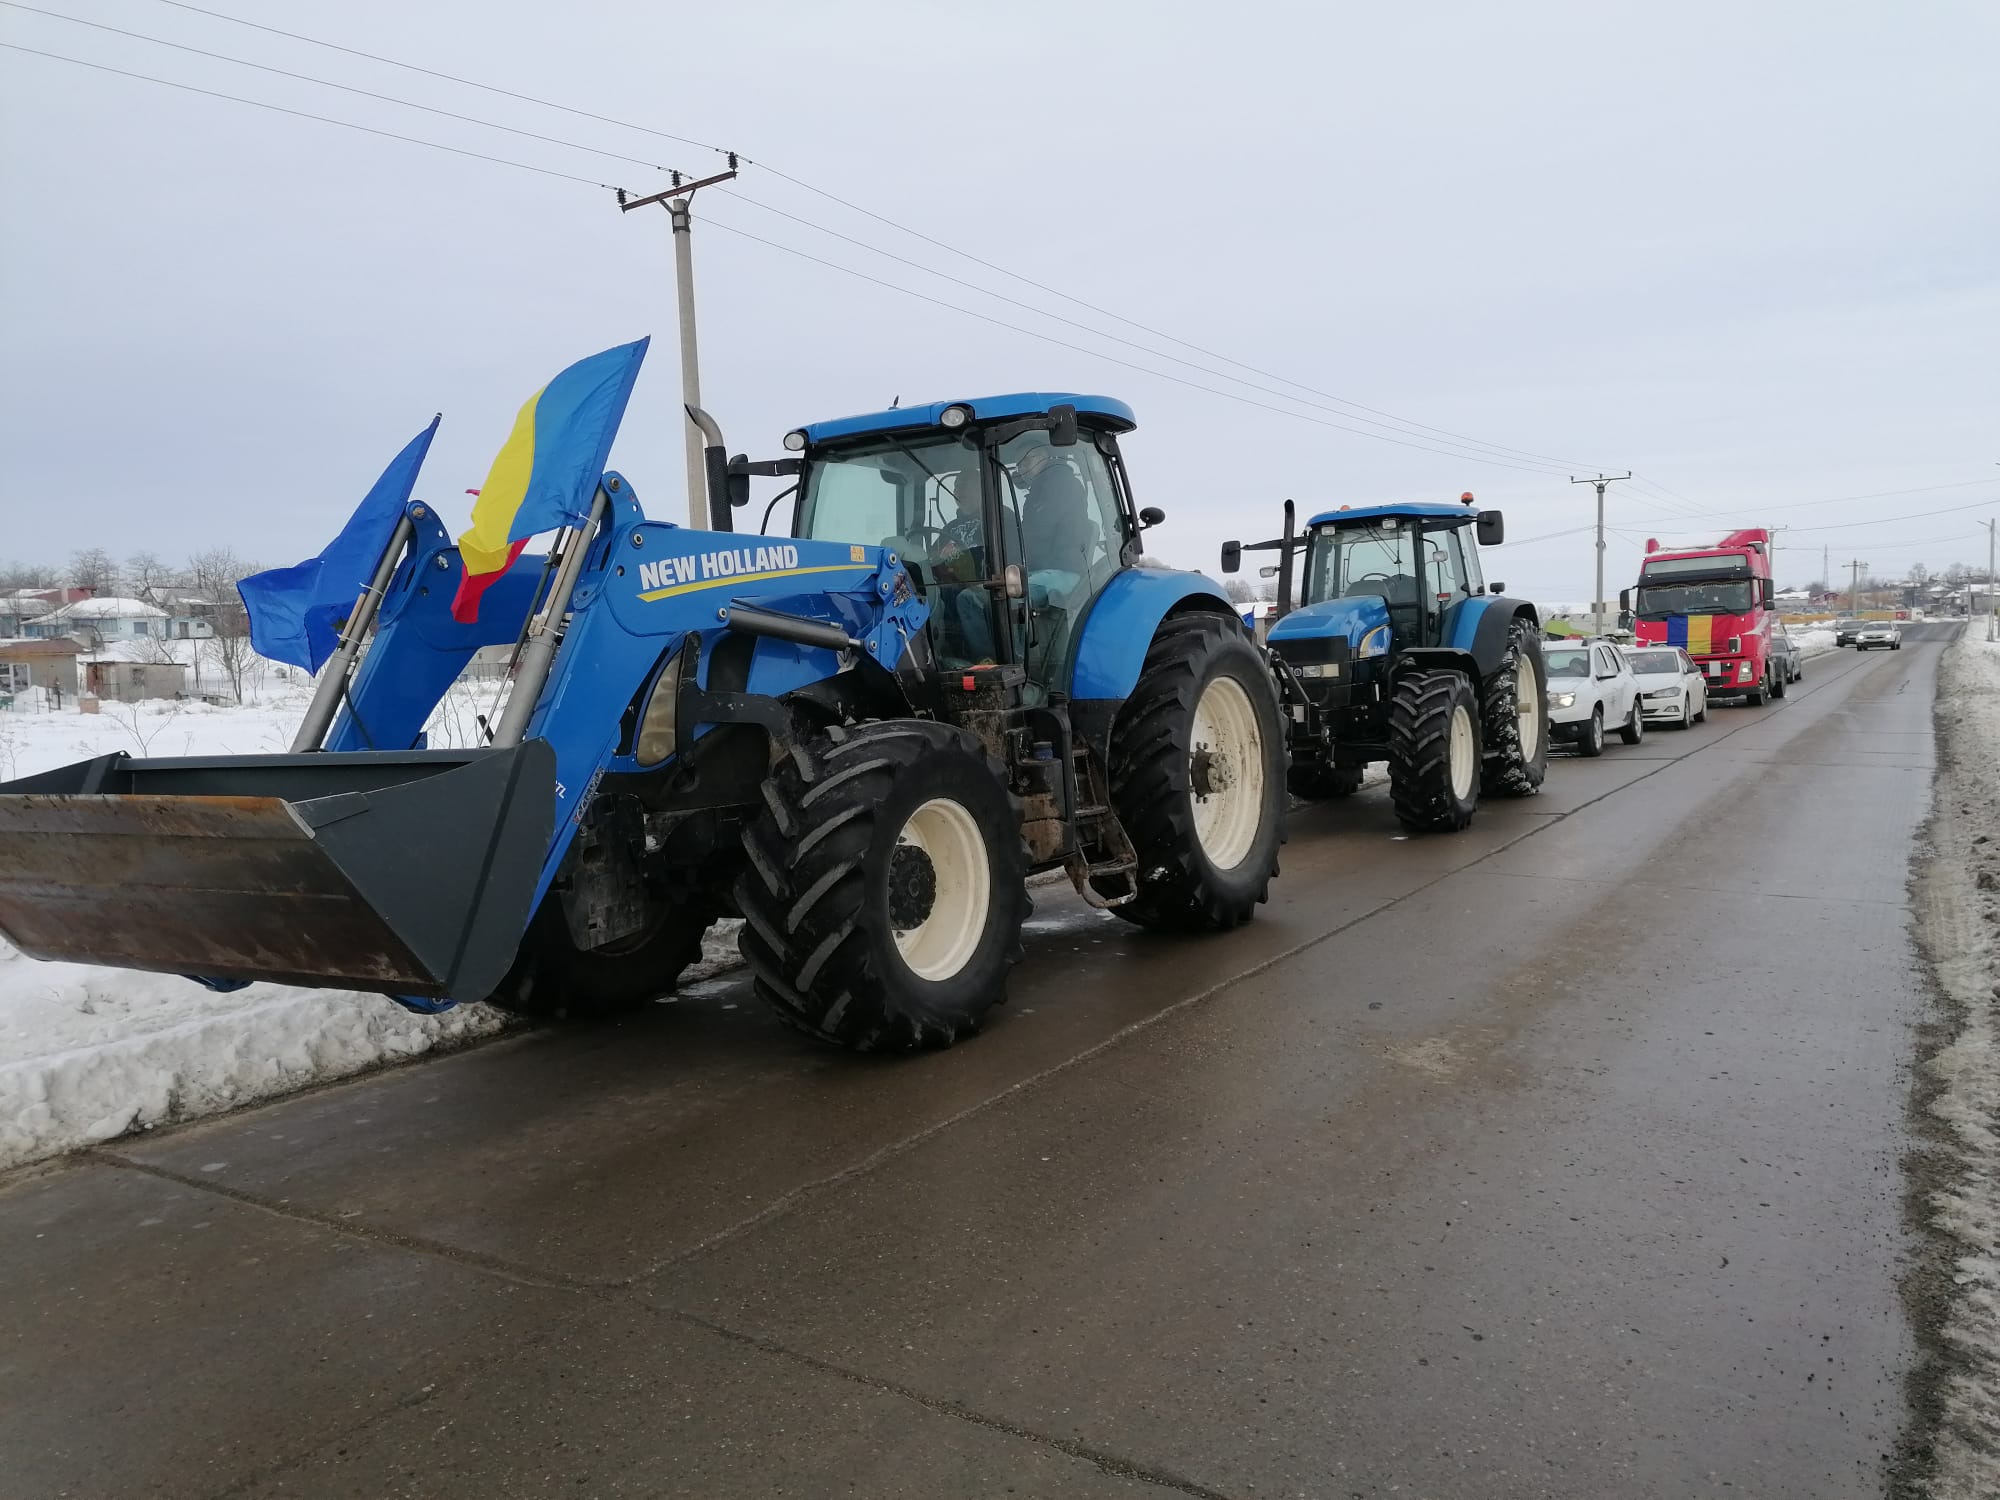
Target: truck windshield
{"x":1661,"y":599}
{"x":1349,"y":561}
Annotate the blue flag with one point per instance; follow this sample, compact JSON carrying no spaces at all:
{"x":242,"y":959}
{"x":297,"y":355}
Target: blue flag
{"x":295,"y":612}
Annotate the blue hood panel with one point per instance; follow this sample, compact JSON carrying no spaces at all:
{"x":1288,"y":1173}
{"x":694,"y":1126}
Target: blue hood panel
{"x":1352,"y":618}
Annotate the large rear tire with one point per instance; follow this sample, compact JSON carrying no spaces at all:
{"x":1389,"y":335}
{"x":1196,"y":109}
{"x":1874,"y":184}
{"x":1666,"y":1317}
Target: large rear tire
{"x":1433,"y":751}
{"x":886,"y":886}
{"x":1198,"y":778}
{"x":554,"y":979}
{"x":1514,"y":709}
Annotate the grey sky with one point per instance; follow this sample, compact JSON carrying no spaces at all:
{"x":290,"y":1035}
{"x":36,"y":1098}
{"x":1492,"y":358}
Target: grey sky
{"x":1746,"y":250}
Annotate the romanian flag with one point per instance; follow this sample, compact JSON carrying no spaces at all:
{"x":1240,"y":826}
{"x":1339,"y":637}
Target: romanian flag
{"x":547,"y":471}
{"x":1695,"y":632}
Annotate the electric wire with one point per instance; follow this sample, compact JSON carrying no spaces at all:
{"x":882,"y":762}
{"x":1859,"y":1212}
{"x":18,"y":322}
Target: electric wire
{"x":328,"y":83}
{"x":307,"y":115}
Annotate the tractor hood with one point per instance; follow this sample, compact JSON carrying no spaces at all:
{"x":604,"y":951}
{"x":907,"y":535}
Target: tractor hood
{"x":1347,"y":619}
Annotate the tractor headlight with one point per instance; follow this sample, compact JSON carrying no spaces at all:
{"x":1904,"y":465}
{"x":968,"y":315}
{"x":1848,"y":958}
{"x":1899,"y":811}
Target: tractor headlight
{"x":795,"y":440}
{"x":954,"y":416}
{"x":1562,"y":700}
{"x":1375,"y":643}
{"x":659,"y":728}
{"x":1317,"y":669}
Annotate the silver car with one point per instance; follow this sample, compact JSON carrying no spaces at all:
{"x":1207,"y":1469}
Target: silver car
{"x":1672,"y":689}
{"x":1879,"y":633}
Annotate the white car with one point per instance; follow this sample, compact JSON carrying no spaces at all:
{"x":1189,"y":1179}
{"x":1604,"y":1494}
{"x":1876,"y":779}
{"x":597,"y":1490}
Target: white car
{"x":1879,"y":633}
{"x":1591,"y":686}
{"x":1672,"y":689}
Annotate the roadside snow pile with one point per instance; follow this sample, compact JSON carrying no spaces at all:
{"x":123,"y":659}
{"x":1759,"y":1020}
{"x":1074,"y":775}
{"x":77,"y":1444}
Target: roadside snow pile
{"x":1959,"y":922}
{"x":1815,"y":642}
{"x":88,"y":1054}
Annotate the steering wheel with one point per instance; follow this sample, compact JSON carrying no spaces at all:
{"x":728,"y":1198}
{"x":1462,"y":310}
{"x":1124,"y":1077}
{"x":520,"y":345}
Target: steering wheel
{"x":1366,"y":576}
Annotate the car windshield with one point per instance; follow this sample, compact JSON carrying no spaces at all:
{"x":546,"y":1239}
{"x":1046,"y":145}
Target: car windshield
{"x":1722,"y":598}
{"x":1346,"y":562}
{"x":1655,"y":661}
{"x":1568,"y":661}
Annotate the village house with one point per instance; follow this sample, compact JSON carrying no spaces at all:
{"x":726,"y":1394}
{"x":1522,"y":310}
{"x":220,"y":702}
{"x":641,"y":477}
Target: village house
{"x":101,"y":621}
{"x":46,"y":664}
{"x":130,"y":671}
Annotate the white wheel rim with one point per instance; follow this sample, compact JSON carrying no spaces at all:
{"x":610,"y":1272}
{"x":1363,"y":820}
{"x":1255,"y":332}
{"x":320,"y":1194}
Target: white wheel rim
{"x":942,"y":942}
{"x":1527,"y":708}
{"x":1464,"y":757}
{"x":1226,"y":773}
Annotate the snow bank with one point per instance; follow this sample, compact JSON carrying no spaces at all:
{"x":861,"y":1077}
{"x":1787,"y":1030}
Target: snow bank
{"x":1814,"y":642}
{"x":1960,"y":924}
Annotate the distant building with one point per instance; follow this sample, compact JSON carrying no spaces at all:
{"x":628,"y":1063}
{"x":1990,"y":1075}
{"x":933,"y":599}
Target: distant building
{"x":100,"y":621}
{"x":129,"y":671}
{"x":46,"y":664}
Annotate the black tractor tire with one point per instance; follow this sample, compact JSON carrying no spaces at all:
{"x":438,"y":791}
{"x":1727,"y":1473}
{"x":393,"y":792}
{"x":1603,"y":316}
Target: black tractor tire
{"x":1164,"y":781}
{"x":1319,"y":783}
{"x":1590,"y":743}
{"x":1511,"y":769}
{"x":868,"y":835}
{"x":553,"y":979}
{"x":1431,"y":793}
{"x":1633,"y":730}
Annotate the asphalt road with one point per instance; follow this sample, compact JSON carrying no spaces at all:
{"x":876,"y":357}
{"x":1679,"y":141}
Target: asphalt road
{"x":1558,"y":1157}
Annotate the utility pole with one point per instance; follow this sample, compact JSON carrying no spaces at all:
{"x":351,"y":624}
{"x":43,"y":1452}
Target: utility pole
{"x":1854,"y":595}
{"x":1992,"y":593}
{"x":1597,"y":604}
{"x":676,"y":201}
{"x":1825,"y":563}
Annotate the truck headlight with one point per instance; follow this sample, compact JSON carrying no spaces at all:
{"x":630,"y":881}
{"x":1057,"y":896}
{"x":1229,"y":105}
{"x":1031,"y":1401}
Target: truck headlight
{"x":1562,"y":700}
{"x":1374,"y":643}
{"x":1743,"y":671}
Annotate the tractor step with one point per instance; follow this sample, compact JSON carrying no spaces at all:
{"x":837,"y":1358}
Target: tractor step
{"x":1104,"y":851}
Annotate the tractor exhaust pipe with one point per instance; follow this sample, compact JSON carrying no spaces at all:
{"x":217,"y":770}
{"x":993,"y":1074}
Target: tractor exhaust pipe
{"x":1285,"y":567}
{"x":333,"y":678}
{"x":716,"y":459}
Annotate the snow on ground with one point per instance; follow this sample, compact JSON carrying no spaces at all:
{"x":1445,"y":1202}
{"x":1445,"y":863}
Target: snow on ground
{"x":1816,"y":641}
{"x":1959,"y":922}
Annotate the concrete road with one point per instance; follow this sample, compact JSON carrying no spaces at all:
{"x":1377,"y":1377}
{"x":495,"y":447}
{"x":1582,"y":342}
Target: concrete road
{"x":1559,"y":1157}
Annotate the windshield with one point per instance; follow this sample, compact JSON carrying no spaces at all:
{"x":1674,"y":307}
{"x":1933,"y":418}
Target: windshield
{"x":1568,"y":661}
{"x":890,"y":492}
{"x":1659,"y":600}
{"x":1654,"y":661}
{"x":1350,"y":561}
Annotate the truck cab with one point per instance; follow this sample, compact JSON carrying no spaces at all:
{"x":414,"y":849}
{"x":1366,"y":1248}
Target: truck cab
{"x":1715,"y":603}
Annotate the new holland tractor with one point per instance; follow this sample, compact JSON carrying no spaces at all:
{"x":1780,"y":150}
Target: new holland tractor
{"x":861,"y":737}
{"x":1397,"y":651}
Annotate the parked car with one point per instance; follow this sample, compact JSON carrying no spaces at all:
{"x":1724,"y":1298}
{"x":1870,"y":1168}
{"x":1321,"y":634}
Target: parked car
{"x":1591,"y":686}
{"x":1672,"y":689}
{"x":1844,"y":631}
{"x":1879,"y":633}
{"x":1785,"y":658}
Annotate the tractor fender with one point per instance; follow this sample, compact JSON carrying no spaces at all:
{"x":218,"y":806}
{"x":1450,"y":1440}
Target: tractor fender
{"x":1117,"y":632}
{"x":1435,"y":659}
{"x":1480,"y":628}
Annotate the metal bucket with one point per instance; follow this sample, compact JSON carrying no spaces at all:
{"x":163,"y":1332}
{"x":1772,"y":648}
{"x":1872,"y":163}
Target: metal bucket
{"x":408,"y":872}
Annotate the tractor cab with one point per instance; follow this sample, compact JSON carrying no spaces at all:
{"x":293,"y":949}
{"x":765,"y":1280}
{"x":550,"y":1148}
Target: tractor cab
{"x":1011,"y":514}
{"x":1407,"y":566}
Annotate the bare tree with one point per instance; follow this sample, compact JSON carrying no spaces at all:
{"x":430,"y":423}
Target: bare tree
{"x":1242,"y":590}
{"x":214,"y":574}
{"x":92,"y":568}
{"x":148,"y":578}
{"x":28,"y":575}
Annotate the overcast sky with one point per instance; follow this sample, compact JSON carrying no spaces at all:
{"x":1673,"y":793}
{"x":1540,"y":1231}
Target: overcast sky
{"x":1746,"y":250}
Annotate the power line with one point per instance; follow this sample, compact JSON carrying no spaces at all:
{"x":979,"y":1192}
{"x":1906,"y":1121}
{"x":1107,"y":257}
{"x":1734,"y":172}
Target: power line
{"x":306,"y":115}
{"x":329,"y":84}
{"x":1402,"y":422}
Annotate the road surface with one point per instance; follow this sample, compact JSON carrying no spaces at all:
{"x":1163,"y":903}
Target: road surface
{"x":1560,"y":1157}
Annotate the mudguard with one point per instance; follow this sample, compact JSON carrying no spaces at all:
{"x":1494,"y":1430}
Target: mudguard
{"x":1479,"y":628}
{"x":1112,"y":643}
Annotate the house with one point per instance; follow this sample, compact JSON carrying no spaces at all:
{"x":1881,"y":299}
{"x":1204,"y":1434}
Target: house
{"x":101,"y":621}
{"x":128,"y":671}
{"x":46,"y":664}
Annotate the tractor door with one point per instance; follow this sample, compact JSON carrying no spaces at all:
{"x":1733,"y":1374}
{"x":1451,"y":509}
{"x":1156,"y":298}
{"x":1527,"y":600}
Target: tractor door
{"x":1063,"y":526}
{"x":1451,"y":576}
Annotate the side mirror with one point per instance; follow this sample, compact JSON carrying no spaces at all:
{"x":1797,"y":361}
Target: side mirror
{"x":1232,"y":557}
{"x":1062,"y":426}
{"x":1152,"y":515}
{"x":1496,"y":588}
{"x":737,"y":485}
{"x":1624,"y":619}
{"x":1624,"y":598}
{"x":1270,"y":572}
{"x":1492,"y":528}
{"x":1767,"y":593}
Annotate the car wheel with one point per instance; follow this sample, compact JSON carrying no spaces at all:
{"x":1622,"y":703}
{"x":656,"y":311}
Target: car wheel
{"x":1687,"y":712}
{"x":1634,"y":728}
{"x":1591,"y":742}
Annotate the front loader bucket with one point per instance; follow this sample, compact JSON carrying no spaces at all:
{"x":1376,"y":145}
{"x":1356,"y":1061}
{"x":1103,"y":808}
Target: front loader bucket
{"x":409,"y":872}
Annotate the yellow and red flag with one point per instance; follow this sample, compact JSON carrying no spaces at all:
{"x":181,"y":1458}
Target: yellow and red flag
{"x":547,"y":471}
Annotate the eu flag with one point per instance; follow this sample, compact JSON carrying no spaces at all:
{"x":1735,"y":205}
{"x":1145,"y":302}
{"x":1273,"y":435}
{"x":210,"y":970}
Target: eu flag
{"x":295,"y":612}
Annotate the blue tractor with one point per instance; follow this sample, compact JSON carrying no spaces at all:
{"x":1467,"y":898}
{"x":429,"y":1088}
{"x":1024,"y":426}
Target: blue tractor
{"x":861,"y":737}
{"x":1398,"y":651}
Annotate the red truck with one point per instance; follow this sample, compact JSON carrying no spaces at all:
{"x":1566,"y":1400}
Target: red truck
{"x":1716,"y":603}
